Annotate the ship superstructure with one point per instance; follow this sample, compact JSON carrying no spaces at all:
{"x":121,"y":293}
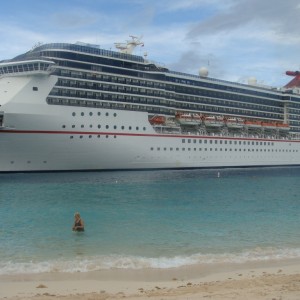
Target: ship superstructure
{"x":80,"y":107}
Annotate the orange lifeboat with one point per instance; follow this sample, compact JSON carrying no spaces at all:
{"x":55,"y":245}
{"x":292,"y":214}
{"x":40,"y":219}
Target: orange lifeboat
{"x":252,"y":124}
{"x":188,"y":119}
{"x":268,"y":125}
{"x":213,"y":121}
{"x":157,"y":120}
{"x":283,"y":127}
{"x":234,"y":122}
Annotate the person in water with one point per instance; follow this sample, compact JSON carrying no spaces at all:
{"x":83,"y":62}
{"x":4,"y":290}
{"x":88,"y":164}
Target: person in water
{"x":78,"y":223}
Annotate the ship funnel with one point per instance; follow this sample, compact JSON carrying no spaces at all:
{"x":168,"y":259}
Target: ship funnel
{"x":294,"y":82}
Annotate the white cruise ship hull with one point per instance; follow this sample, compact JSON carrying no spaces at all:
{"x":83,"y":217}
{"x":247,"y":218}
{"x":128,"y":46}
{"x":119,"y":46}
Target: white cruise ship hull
{"x":42,"y":137}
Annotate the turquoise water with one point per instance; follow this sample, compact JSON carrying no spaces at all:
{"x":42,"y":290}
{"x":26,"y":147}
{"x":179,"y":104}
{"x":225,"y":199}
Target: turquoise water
{"x":148,"y":219}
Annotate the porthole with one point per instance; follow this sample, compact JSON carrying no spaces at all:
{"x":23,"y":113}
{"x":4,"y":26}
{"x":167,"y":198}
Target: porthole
{"x":81,"y":136}
{"x":129,"y":128}
{"x":99,"y":126}
{"x":73,"y":126}
{"x":99,"y":113}
{"x":82,"y":113}
{"x":91,"y":113}
{"x":115,"y":114}
{"x":64,"y":126}
{"x":107,"y":114}
{"x":82,"y":126}
{"x":115,"y":126}
{"x":91,"y":126}
{"x":106,"y":126}
{"x":137,"y":128}
{"x":122,"y":127}
{"x":144,"y":128}
{"x":90,"y":136}
{"x":107,"y":136}
{"x":71,"y":137}
{"x":73,"y":114}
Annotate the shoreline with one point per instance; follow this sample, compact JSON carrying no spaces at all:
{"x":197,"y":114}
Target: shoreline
{"x":267,"y":280}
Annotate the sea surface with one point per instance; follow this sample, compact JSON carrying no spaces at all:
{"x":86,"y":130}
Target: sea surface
{"x":148,"y":219}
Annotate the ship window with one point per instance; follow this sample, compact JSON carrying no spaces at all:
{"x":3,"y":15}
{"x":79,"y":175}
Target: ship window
{"x":216,"y":142}
{"x":71,"y":137}
{"x":99,"y":113}
{"x":98,"y":136}
{"x":73,"y":126}
{"x":99,"y":126}
{"x":210,"y":141}
{"x":82,"y":113}
{"x":151,"y":148}
{"x":137,"y":128}
{"x":221,"y":142}
{"x":183,"y":140}
{"x":35,"y":88}
{"x":189,"y":141}
{"x":82,"y":126}
{"x":171,"y":149}
{"x":183,"y":149}
{"x":129,"y":127}
{"x":90,"y":136}
{"x":107,"y":114}
{"x":73,"y":114}
{"x":106,"y":126}
{"x":158,"y":149}
{"x":144,"y":128}
{"x":195,"y":141}
{"x":64,"y":126}
{"x":115,"y":126}
{"x":91,"y":113}
{"x":200,"y":141}
{"x":165,"y":149}
{"x":115,"y":114}
{"x":177,"y":149}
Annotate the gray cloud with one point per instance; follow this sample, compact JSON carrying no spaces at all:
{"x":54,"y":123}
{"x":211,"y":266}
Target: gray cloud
{"x":280,"y":16}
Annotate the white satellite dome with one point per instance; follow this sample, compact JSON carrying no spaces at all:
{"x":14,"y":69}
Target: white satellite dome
{"x":203,"y":72}
{"x":252,"y":81}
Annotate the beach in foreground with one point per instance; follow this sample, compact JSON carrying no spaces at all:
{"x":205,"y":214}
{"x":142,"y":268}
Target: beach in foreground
{"x":255,"y":281}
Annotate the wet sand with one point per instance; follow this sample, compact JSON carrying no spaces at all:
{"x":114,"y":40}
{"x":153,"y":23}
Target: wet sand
{"x":257,"y":281}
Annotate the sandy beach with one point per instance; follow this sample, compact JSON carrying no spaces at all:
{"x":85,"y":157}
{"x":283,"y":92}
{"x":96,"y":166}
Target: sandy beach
{"x":274,"y":281}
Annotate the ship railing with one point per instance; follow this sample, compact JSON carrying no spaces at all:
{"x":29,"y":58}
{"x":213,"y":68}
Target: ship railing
{"x":29,"y":67}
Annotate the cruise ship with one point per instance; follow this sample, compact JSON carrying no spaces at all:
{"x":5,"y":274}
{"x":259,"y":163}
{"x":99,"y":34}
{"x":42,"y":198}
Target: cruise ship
{"x":72,"y":107}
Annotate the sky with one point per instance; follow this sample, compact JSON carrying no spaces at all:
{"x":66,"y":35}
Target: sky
{"x":233,"y":39}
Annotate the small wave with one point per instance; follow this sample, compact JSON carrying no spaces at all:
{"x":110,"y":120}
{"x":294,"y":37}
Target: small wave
{"x":106,"y":262}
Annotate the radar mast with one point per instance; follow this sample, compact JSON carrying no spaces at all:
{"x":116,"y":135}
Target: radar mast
{"x":130,"y":45}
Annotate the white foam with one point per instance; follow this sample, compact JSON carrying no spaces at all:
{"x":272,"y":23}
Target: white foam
{"x":95,"y":263}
